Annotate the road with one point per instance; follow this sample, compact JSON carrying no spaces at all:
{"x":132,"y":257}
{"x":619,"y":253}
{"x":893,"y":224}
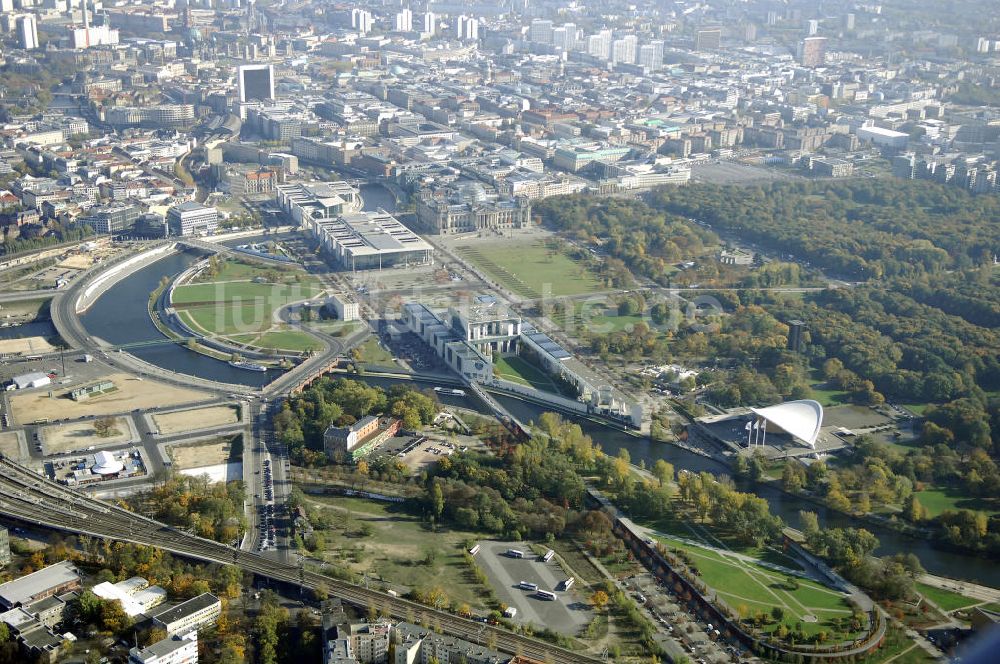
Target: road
{"x":28,"y":296}
{"x":27,"y":497}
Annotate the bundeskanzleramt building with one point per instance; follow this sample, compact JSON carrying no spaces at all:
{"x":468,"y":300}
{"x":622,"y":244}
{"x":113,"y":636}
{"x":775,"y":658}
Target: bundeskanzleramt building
{"x":191,"y":218}
{"x":457,"y":353}
{"x":487,"y":325}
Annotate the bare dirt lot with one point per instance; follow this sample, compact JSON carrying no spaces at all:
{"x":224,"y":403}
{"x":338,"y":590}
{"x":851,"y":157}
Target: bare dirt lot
{"x":78,"y":261}
{"x":196,"y":418}
{"x":132,"y":393}
{"x":200,"y":455}
{"x":26,"y":345}
{"x":61,"y":438}
{"x":10,"y":445}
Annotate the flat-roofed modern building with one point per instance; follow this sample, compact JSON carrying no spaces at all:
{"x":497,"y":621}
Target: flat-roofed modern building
{"x":135,"y":594}
{"x":193,"y":614}
{"x":574,"y":157}
{"x":370,"y":241}
{"x":171,"y":650}
{"x":192,"y":218}
{"x":52,"y":580}
{"x":346,"y":307}
{"x":255,"y":82}
{"x":311,"y":201}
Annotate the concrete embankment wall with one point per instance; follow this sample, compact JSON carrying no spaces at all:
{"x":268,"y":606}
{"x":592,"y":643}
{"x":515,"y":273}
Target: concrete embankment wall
{"x":127,"y":267}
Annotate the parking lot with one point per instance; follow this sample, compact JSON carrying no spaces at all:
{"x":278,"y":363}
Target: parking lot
{"x":677,"y":624}
{"x":409,"y":348}
{"x":567,"y":614}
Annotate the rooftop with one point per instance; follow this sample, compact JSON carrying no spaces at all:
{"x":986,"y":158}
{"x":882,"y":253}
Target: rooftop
{"x":187,"y":608}
{"x":25,"y":588}
{"x":368,"y":233}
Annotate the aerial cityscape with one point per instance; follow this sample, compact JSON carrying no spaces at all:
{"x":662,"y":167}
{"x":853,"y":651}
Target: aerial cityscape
{"x":499,"y":332}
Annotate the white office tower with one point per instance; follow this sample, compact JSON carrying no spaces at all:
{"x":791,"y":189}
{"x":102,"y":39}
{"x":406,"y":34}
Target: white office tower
{"x":812,"y":27}
{"x":467,"y":28}
{"x":430,"y":24}
{"x":540,"y":31}
{"x":27,"y":31}
{"x":362,"y":20}
{"x":404,"y":21}
{"x":255,"y":82}
{"x":599,"y":45}
{"x":623,"y":51}
{"x":651,"y":55}
{"x":564,"y":37}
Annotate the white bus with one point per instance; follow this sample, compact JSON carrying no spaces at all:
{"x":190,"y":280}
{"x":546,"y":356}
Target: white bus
{"x":548,"y":556}
{"x":545,"y":594}
{"x":474,"y":550}
{"x":514,"y":553}
{"x":568,"y":583}
{"x":525,"y":585}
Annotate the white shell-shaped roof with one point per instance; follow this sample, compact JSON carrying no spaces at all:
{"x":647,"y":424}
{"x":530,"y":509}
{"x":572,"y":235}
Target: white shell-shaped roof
{"x":801,"y":419}
{"x":105,"y":463}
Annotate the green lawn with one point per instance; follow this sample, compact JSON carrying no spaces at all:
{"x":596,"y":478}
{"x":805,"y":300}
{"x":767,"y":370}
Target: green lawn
{"x":335,"y":327}
{"x":238,"y":270}
{"x":945,"y":599}
{"x":939,"y":500}
{"x":236,"y":291}
{"x":372,"y":352}
{"x":518,"y":370}
{"x":741,"y":582}
{"x":531,"y":269}
{"x":595,"y":317}
{"x":398,"y":547}
{"x":288,"y":340}
{"x":237,"y":307}
{"x":224,"y":319}
{"x":828,"y":397}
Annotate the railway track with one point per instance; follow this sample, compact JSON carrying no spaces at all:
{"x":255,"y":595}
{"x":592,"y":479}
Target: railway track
{"x":29,"y":498}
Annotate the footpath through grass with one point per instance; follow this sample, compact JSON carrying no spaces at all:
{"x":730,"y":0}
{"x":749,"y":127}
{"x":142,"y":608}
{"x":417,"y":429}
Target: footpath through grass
{"x":751,"y":587}
{"x":242,"y":308}
{"x":946,"y":600}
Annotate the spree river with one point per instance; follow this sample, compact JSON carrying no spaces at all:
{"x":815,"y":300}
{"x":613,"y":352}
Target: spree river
{"x":119,"y":325}
{"x":936,"y":561}
{"x":120,"y":317}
